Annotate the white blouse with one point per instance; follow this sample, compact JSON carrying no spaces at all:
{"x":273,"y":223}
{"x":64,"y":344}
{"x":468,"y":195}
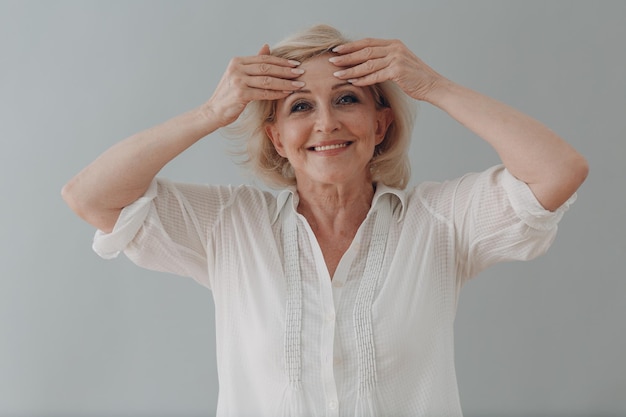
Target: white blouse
{"x":377,"y":339}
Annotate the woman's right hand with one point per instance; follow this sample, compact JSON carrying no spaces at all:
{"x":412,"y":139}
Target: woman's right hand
{"x":260,"y":77}
{"x":123,"y":173}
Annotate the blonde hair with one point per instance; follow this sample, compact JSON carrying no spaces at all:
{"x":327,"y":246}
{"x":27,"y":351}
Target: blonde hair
{"x":390,"y":162}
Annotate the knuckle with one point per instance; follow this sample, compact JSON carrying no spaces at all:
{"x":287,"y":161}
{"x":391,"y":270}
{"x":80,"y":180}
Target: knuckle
{"x":239,"y":95}
{"x":264,"y":68}
{"x":233,"y":66}
{"x":397,"y":45}
{"x":237,"y":81}
{"x":369,"y":65}
{"x":266,"y":81}
{"x":367,"y":51}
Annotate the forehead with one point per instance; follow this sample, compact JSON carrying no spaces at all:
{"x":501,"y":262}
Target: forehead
{"x":318,"y":76}
{"x":318,"y":66}
{"x":319,"y":80}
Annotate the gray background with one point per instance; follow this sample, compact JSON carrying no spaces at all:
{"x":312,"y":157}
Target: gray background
{"x":80,"y":336}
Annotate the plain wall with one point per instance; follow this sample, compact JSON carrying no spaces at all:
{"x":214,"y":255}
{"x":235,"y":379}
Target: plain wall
{"x":80,"y":336}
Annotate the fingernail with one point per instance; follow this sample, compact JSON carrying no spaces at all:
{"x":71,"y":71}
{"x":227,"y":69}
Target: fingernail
{"x":297,"y":71}
{"x":334,"y":59}
{"x":352,"y":80}
{"x":339,"y":73}
{"x":297,"y":83}
{"x":293,"y":62}
{"x":337,"y":48}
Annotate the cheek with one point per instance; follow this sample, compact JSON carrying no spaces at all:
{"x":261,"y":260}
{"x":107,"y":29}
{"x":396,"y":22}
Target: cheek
{"x":365,"y":127}
{"x":293,"y":133}
{"x":364,"y":120}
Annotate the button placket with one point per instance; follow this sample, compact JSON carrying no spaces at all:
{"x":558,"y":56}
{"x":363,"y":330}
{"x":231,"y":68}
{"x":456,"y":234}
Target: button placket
{"x":328,"y":323}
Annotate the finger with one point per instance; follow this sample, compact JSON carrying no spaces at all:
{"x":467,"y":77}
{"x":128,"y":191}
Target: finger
{"x":265,"y":50}
{"x":277,"y":71}
{"x":255,"y":94}
{"x":352,"y":46}
{"x":267,"y":59}
{"x":273,"y":83}
{"x":361,"y":70}
{"x":371,"y":79}
{"x":360,"y":56}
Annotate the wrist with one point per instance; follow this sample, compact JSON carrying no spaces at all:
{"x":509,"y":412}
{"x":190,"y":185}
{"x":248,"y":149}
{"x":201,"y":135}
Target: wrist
{"x":440,"y":91}
{"x":209,"y":117}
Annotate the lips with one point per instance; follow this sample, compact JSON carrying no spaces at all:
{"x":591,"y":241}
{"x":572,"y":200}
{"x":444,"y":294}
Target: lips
{"x":328,"y":147}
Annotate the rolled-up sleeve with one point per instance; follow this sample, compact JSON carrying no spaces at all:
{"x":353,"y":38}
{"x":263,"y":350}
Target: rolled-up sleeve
{"x":166,"y":229}
{"x":528,"y":209}
{"x":498,"y":218}
{"x":493,"y":217}
{"x":132,"y":217}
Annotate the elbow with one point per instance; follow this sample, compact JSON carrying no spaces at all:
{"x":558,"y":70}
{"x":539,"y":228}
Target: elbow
{"x":77,"y":201}
{"x":68,"y":193}
{"x":85,"y":205}
{"x":572,"y":177}
{"x":563,"y":181}
{"x":579,"y":170}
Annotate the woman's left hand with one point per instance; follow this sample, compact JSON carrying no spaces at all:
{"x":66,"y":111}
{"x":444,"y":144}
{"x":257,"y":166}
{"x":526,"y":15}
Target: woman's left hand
{"x":529,"y":150}
{"x":370,"y":61}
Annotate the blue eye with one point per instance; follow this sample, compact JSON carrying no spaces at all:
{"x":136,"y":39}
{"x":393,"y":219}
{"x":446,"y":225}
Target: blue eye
{"x":300,"y":106}
{"x":348,"y":99}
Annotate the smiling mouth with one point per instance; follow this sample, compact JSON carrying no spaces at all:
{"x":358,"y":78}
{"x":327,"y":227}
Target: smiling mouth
{"x":329,"y":147}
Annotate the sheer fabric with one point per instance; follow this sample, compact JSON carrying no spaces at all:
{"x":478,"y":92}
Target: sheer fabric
{"x":377,"y":338}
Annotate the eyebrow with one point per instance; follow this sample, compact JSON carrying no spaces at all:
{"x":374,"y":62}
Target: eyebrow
{"x":334,"y":87}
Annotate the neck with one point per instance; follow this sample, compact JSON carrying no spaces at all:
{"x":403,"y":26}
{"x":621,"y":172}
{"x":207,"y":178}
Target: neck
{"x":335,"y":213}
{"x":338,"y":206}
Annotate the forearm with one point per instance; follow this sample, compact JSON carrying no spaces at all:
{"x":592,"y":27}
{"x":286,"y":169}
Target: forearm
{"x":123,"y":173}
{"x":529,"y":150}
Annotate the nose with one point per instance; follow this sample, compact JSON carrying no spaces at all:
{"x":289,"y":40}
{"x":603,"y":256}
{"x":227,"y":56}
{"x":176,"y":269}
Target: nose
{"x":327,"y":120}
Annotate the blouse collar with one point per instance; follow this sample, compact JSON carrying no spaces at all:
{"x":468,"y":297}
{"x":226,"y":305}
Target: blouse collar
{"x":290,"y":197}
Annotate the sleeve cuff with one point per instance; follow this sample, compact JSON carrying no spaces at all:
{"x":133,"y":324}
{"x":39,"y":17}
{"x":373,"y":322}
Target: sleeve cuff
{"x":109,"y":245}
{"x":528,"y":208}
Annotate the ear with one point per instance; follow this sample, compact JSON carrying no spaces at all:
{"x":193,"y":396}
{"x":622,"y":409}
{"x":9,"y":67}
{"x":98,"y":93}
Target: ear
{"x":272,"y":132}
{"x":384,"y":117}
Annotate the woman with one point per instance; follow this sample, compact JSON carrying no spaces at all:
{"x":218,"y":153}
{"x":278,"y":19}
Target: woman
{"x":338,"y":296}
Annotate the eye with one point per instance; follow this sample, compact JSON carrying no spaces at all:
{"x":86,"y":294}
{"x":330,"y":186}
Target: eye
{"x":300,"y":106}
{"x":348,"y":99}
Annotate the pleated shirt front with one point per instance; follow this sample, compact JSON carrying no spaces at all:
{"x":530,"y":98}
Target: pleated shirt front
{"x":377,"y":338}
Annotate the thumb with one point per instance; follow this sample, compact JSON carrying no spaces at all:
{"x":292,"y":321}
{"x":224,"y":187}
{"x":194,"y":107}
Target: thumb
{"x":265,"y":50}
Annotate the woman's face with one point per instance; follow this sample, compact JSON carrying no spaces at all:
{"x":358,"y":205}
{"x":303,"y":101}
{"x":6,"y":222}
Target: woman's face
{"x":328,"y":130}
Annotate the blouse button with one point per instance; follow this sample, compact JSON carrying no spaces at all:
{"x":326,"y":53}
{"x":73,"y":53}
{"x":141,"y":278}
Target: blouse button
{"x":332,"y":405}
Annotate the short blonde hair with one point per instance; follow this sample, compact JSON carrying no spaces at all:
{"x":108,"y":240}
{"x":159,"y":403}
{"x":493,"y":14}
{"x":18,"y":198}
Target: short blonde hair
{"x":390,"y":162}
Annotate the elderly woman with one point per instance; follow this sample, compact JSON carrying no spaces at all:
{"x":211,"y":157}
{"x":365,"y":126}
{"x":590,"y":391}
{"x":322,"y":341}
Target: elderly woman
{"x":337,"y":296}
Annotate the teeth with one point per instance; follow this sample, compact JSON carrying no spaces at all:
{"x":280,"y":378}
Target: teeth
{"x":329,"y":147}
